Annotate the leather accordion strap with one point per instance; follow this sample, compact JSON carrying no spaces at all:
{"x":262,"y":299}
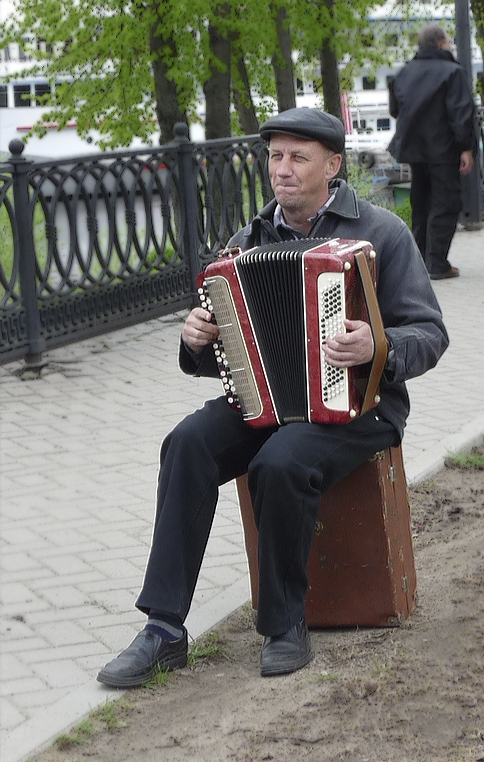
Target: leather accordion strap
{"x":378,"y":331}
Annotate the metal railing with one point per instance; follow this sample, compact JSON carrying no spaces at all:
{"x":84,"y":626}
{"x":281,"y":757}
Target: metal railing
{"x":94,"y":243}
{"x":472,"y":185}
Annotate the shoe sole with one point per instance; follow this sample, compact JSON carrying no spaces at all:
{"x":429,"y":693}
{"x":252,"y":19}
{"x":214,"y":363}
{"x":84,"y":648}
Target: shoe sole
{"x":175,"y":662}
{"x":284,"y":668}
{"x":444,"y":276}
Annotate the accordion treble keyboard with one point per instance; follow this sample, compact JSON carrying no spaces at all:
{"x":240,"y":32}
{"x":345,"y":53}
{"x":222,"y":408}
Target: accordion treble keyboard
{"x":331,"y":315}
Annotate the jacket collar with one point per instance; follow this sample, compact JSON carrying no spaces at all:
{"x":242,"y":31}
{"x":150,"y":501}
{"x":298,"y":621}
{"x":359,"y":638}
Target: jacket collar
{"x":345,"y":203}
{"x":430,"y":52}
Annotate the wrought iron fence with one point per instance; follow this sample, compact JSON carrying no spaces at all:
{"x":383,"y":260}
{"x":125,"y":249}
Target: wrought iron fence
{"x":91,"y":244}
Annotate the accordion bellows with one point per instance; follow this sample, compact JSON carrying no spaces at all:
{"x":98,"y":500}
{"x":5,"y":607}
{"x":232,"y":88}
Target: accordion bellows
{"x":275,"y":307}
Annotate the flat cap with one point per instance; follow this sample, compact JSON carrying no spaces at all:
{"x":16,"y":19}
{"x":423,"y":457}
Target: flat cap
{"x":307,"y":123}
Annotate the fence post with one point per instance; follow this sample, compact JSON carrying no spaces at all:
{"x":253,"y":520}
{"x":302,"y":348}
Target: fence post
{"x":189,"y":201}
{"x":27,"y":274}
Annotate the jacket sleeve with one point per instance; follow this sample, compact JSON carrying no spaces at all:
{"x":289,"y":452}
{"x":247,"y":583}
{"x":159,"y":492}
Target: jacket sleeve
{"x":460,"y":109}
{"x":200,"y":363}
{"x":410,"y":311}
{"x":393,"y":103}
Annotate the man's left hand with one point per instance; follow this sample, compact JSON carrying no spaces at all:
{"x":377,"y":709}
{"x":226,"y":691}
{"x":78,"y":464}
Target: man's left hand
{"x":356,"y":347}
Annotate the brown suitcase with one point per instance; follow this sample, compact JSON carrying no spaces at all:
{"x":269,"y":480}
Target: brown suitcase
{"x":361,"y":569}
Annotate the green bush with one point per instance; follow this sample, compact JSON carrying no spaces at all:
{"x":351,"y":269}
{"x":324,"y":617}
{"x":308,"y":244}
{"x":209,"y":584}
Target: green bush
{"x":404,"y":211}
{"x":359,"y":178}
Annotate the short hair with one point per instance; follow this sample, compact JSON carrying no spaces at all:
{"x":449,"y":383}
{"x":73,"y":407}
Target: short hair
{"x":431,"y":35}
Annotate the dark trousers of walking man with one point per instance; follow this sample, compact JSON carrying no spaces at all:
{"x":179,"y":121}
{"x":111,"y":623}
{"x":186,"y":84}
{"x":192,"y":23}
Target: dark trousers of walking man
{"x":435,"y":196}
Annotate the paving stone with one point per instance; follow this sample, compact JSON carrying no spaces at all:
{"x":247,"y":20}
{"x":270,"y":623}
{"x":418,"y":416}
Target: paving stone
{"x":64,"y":633}
{"x":64,"y":595}
{"x":119,"y":600}
{"x":39,"y":698}
{"x":130,"y":617}
{"x":66,"y":564}
{"x":54,"y":616}
{"x":217,"y":573}
{"x":60,"y":674}
{"x":68,"y":579}
{"x":63,"y":653}
{"x":33,"y":644}
{"x":203,"y":596}
{"x":116,"y":638}
{"x":16,"y":593}
{"x":12,"y":667}
{"x":24,"y":685}
{"x":12,"y":562}
{"x":10,"y":716}
{"x":130,"y":552}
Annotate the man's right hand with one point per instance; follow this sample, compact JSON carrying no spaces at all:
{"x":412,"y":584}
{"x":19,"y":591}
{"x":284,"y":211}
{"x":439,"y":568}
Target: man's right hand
{"x":199,"y":330}
{"x":466,"y":162}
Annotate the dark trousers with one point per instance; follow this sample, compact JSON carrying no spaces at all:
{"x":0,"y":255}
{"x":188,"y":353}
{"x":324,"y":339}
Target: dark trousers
{"x":435,"y":196}
{"x":289,"y":469}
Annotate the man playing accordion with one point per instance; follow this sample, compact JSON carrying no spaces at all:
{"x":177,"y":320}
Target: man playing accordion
{"x":289,"y":466}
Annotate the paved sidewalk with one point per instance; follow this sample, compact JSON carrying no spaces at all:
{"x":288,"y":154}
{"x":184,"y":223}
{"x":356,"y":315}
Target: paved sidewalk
{"x":78,"y":475}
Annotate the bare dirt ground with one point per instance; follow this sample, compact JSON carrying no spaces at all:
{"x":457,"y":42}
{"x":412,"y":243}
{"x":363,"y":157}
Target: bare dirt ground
{"x":413,"y":693}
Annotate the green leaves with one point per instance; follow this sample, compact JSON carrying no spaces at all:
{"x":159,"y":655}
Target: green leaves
{"x":100,"y":57}
{"x":98,"y":64}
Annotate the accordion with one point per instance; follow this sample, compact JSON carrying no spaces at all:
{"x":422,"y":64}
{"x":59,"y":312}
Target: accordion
{"x":275,"y":307}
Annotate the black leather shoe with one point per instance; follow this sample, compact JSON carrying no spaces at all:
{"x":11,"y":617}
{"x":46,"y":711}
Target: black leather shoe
{"x":452,"y":272}
{"x":142,"y":658}
{"x":286,"y":653}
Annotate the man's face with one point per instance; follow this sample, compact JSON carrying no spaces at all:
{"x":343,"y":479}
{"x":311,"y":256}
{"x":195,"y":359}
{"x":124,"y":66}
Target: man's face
{"x":299,"y":172}
{"x":446,"y":44}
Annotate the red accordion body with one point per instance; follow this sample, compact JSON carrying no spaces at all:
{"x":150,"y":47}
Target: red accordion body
{"x":275,"y":307}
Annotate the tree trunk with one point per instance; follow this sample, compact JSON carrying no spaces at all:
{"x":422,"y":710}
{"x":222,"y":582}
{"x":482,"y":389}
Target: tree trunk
{"x":217,"y":87}
{"x":332,"y":92}
{"x":330,"y":81}
{"x":168,"y":110}
{"x":243,"y":101}
{"x":282,"y":65}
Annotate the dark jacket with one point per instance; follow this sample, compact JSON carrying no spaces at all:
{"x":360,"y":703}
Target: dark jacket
{"x":432,"y":102}
{"x":410,"y":312}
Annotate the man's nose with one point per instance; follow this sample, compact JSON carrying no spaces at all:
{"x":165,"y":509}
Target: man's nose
{"x":284,"y":167}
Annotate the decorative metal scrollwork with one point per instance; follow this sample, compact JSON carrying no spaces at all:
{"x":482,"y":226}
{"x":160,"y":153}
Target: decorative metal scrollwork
{"x":109,"y":237}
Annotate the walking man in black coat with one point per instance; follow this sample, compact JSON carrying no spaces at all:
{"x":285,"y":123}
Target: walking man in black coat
{"x":433,"y":104}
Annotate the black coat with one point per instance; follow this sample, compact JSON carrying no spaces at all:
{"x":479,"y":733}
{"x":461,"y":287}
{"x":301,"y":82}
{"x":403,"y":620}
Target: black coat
{"x":432,"y":102}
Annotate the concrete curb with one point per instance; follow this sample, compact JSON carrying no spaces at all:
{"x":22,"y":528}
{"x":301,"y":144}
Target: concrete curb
{"x":430,"y":463}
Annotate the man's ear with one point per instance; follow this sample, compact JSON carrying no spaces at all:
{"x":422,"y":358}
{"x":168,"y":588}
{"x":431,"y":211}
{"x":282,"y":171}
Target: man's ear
{"x":332,"y":165}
